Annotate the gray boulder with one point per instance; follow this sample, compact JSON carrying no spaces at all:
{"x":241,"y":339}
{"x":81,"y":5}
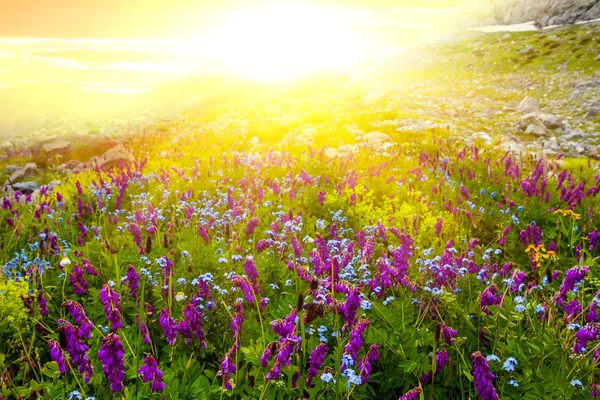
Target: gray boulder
{"x":529,"y":104}
{"x":26,"y":171}
{"x":56,"y":147}
{"x":551,"y":121}
{"x":26,"y":187}
{"x":114,"y":157}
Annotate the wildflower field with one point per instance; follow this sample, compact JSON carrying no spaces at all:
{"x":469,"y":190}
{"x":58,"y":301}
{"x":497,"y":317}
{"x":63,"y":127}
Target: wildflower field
{"x":225,"y":263}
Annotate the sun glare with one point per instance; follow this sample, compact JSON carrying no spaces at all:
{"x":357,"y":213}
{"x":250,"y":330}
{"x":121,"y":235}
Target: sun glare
{"x":283,"y":42}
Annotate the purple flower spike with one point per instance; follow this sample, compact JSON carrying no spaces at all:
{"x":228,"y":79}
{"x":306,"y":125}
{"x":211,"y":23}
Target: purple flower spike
{"x":58,"y":355}
{"x":483,"y":377}
{"x":317,"y":357}
{"x":365,"y":366}
{"x":111,"y":357}
{"x":110,"y":301}
{"x":412,"y":394}
{"x":150,"y":372}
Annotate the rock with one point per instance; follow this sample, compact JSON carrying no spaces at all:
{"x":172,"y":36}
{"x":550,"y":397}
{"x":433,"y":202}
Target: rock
{"x":598,"y":57}
{"x":592,"y":113}
{"x":530,"y":119}
{"x":53,"y":184}
{"x":526,"y":50}
{"x":26,"y":187}
{"x":506,"y":37}
{"x":572,"y":136}
{"x":331,"y":152}
{"x":595,"y":152}
{"x":348,"y":148}
{"x":10,"y":169}
{"x":114,"y":157}
{"x":529,"y":104}
{"x":21,"y":173}
{"x":580,"y":149}
{"x":375,"y":138}
{"x":56,"y":147}
{"x":483,"y":136}
{"x":537,"y":130}
{"x":551,"y":121}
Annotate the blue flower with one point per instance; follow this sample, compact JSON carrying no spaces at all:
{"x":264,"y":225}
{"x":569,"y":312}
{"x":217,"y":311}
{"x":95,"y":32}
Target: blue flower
{"x":540,"y":309}
{"x":574,"y":326}
{"x":365,"y":305}
{"x":74,"y":395}
{"x":510,"y":364}
{"x":520,"y":308}
{"x":347,"y":360}
{"x":515,"y":220}
{"x":327,"y":377}
{"x":492,"y":357}
{"x":288,"y":282}
{"x":513,"y":383}
{"x":273,"y":286}
{"x":577,"y":383}
{"x":181,"y":281}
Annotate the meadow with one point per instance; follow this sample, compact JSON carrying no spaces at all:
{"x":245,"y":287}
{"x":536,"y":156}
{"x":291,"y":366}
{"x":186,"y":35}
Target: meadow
{"x":278,"y":249}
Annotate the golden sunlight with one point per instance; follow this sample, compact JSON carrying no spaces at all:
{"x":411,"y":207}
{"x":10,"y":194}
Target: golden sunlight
{"x":282,"y":42}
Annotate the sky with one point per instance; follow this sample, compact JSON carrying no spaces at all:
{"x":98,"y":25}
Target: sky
{"x":127,"y":19}
{"x":65,"y":54}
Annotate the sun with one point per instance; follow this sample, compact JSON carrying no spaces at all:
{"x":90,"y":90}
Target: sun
{"x":283,"y":42}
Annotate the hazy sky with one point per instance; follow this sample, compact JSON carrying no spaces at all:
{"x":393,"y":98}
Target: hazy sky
{"x":151,"y":18}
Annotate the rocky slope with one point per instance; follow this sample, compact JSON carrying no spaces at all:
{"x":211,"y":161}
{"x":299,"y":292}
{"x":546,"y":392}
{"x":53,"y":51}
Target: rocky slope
{"x":543,"y":12}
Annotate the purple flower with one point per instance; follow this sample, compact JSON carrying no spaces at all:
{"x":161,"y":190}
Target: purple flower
{"x":573,"y":310}
{"x":268,"y":353}
{"x":80,"y":286}
{"x":448,"y":334}
{"x":72,"y":340}
{"x":132,"y":281}
{"x":317,"y":357}
{"x":150,"y":372}
{"x":252,"y":224}
{"x":355,"y":340}
{"x":111,"y":357}
{"x":572,"y":277}
{"x":285,"y":327}
{"x":110,"y":301}
{"x":585,"y":335}
{"x":365,"y":366}
{"x":194,"y":320}
{"x":591,"y":316}
{"x":412,"y":394}
{"x":490,"y":297}
{"x":237,"y":321}
{"x":227,"y":366}
{"x":244,"y":285}
{"x":441,"y":359}
{"x":593,"y":240}
{"x":483,"y":377}
{"x":42,"y":303}
{"x":58,"y":355}
{"x":167,"y":323}
{"x":531,"y":235}
{"x":143,"y":330}
{"x":282,"y":357}
{"x":348,"y":309}
{"x":78,"y":314}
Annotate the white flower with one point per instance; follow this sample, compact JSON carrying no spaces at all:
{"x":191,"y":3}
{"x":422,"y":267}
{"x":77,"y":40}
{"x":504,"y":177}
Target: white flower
{"x":180,"y":296}
{"x":65,"y":262}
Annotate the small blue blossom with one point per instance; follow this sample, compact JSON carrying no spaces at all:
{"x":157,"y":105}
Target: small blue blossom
{"x":327,"y":377}
{"x":577,"y":383}
{"x":492,"y":357}
{"x":513,"y":382}
{"x":519,"y":308}
{"x":510,"y":364}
